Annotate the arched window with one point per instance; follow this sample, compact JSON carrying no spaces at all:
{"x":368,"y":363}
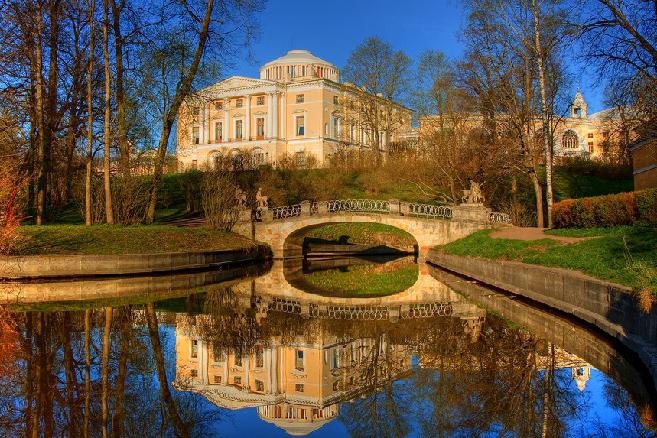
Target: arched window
{"x":569,"y":140}
{"x":215,"y":159}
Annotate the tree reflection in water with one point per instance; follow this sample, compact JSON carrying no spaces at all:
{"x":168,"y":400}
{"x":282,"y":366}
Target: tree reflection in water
{"x":97,"y":371}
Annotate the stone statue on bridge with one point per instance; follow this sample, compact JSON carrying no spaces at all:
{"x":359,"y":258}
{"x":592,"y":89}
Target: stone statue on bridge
{"x":474,"y":196}
{"x":262,"y":202}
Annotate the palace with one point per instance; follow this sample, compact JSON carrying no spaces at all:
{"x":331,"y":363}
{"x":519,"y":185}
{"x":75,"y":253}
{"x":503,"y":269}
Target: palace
{"x":577,"y":134}
{"x":298,"y":108}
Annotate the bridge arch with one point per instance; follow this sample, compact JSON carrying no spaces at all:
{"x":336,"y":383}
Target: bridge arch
{"x":295,"y":243}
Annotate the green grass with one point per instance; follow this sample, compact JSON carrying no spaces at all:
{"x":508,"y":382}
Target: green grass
{"x":117,"y":239}
{"x":362,"y":233}
{"x":364,"y":280}
{"x":626,"y":255}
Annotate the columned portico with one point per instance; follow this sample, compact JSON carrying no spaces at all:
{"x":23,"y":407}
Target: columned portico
{"x":280,"y":114}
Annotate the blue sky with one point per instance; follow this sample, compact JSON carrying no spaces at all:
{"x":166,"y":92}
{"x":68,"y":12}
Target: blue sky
{"x":332,"y":29}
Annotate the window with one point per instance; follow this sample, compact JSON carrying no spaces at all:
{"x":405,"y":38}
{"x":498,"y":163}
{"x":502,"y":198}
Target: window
{"x":298,"y":357}
{"x":237,"y":380}
{"x":238,"y":360}
{"x":239,"y":103}
{"x":590,"y":135}
{"x":259,"y":157}
{"x":335,"y":100}
{"x":334,"y":359}
{"x":260,"y":127}
{"x":196,"y":135}
{"x":300,"y":98}
{"x":300,"y":159}
{"x":259,"y":356}
{"x":218,"y":105}
{"x":194,"y":351}
{"x":216,"y":379}
{"x":193,"y":373}
{"x":569,"y":140}
{"x":238,"y":129}
{"x":218,"y":131}
{"x":298,"y":387}
{"x":259,"y":386}
{"x":336,"y":127}
{"x":260,"y":100}
{"x":300,"y":126}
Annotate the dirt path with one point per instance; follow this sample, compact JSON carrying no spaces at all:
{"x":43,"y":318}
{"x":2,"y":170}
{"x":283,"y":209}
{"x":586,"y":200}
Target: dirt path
{"x":530,"y":233}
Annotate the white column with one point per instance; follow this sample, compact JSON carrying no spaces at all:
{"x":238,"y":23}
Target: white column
{"x":269,"y":115}
{"x":206,"y":123}
{"x":267,"y":365}
{"x":203,"y":361}
{"x":283,"y":118}
{"x":226,"y":127}
{"x":247,"y":122}
{"x":225,"y":381}
{"x":275,"y":116}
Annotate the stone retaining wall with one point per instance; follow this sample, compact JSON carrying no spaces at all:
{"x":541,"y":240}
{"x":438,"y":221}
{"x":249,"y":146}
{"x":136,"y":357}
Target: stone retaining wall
{"x":54,"y":266}
{"x":567,"y":333}
{"x":610,"y":307}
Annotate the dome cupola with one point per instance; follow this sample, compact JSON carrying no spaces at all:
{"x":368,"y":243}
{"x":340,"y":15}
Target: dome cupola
{"x":299,"y":65}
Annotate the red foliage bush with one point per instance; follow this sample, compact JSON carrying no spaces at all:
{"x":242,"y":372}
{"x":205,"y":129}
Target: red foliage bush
{"x":10,"y":212}
{"x":607,"y":211}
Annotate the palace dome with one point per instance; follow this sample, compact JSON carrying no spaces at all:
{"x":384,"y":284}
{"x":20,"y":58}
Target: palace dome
{"x":297,"y":65}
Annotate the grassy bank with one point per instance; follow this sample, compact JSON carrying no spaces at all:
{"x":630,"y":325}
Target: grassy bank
{"x":626,"y":255}
{"x":109,"y":240}
{"x":362,"y":233}
{"x":364,"y":281}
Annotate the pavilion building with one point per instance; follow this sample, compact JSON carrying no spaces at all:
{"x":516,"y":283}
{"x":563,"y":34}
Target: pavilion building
{"x":297,"y":108}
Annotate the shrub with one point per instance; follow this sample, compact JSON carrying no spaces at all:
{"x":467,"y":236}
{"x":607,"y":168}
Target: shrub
{"x":10,"y":211}
{"x":607,"y":211}
{"x":219,"y":199}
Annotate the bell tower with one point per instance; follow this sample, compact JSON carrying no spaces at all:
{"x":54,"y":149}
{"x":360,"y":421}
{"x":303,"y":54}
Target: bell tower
{"x":578,"y":107}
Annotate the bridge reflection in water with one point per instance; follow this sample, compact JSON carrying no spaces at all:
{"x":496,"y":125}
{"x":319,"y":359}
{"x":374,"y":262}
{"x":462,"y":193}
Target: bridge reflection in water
{"x":341,"y":352}
{"x":363,"y":347}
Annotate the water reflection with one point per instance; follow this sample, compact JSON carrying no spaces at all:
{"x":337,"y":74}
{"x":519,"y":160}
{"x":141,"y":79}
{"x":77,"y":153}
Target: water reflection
{"x":262,"y":356}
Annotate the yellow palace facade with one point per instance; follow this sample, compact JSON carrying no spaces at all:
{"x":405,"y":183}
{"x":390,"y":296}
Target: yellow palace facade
{"x":295,"y":109}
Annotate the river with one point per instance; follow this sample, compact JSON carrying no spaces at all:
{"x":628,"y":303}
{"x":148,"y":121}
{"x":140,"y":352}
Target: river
{"x":321,"y":347}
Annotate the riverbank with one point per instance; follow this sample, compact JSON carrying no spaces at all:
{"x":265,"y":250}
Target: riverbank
{"x":612,"y":308}
{"x":76,"y":251}
{"x":626,"y":255}
{"x":122,"y":239}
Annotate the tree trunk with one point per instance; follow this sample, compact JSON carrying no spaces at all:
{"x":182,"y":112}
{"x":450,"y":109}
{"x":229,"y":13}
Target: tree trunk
{"x":105,"y":369}
{"x":109,"y":215}
{"x":544,"y":113}
{"x":538,"y":192}
{"x":124,"y":147}
{"x":87,"y":371}
{"x":41,"y":126}
{"x":179,"y":427}
{"x":90,"y":119}
{"x":117,"y":422}
{"x":170,"y":117}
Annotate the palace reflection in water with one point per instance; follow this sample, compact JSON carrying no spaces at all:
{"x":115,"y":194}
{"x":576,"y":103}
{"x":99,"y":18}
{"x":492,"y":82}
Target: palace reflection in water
{"x":262,"y":356}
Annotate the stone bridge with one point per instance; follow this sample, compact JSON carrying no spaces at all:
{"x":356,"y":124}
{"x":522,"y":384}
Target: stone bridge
{"x":427,"y":297}
{"x":282,"y":228}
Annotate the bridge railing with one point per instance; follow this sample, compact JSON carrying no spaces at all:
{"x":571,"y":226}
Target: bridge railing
{"x":380,"y":206}
{"x":357,"y":206}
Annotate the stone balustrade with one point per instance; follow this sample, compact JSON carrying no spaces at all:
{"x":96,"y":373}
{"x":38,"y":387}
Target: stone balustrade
{"x":466,"y":212}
